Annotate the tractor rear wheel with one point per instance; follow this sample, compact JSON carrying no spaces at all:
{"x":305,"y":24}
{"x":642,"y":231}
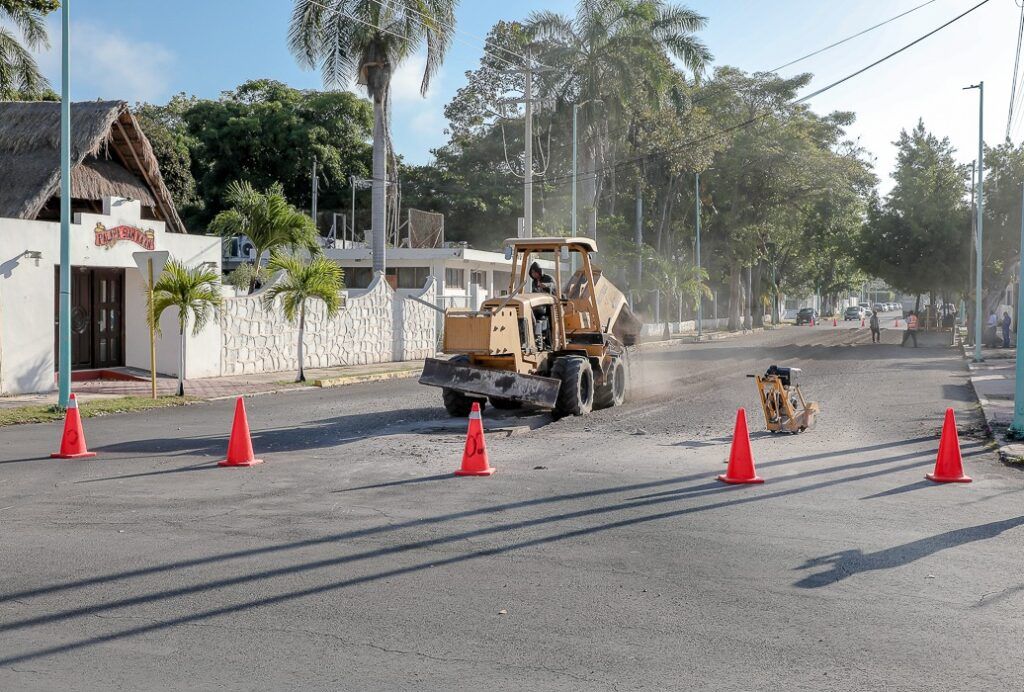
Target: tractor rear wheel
{"x":576,"y":395}
{"x":613,"y":391}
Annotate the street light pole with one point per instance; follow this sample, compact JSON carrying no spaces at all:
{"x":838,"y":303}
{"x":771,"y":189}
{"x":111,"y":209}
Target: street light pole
{"x":978,"y":268}
{"x":573,"y":226}
{"x":700,"y":299}
{"x":528,"y":160}
{"x":64,"y":326}
{"x":1016,"y":430}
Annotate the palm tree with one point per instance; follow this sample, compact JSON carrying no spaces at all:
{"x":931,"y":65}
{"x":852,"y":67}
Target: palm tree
{"x":365,"y":41}
{"x":316,"y":278}
{"x":19,"y":74}
{"x":611,"y":54}
{"x":195,"y":292}
{"x":267,"y":219}
{"x":678,"y":278}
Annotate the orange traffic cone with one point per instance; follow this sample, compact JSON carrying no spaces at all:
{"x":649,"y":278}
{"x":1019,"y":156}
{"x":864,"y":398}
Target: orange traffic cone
{"x":812,"y":321}
{"x":862,"y":323}
{"x":741,"y":461}
{"x":949,"y":464}
{"x":72,"y":443}
{"x":835,"y":323}
{"x":474,"y":457}
{"x":896,"y":323}
{"x":240,"y":443}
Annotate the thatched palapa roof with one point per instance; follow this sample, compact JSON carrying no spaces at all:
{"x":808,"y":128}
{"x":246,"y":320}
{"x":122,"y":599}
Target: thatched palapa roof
{"x":110,"y":156}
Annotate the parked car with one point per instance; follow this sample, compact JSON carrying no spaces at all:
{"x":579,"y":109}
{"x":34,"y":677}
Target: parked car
{"x":880,"y":307}
{"x":854,"y":312}
{"x":806,"y":315}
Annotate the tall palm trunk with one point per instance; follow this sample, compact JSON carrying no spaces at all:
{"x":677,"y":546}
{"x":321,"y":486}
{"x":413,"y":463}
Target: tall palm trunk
{"x":378,"y":222}
{"x":735,"y":297}
{"x":589,"y":184}
{"x":181,"y":361}
{"x":302,"y":348}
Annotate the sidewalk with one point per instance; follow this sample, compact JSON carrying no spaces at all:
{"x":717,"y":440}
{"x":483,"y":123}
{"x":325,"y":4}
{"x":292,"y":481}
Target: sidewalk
{"x":212,"y":388}
{"x":994,"y":381}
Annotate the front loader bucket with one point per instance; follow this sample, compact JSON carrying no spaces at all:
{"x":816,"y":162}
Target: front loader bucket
{"x":486,"y":382}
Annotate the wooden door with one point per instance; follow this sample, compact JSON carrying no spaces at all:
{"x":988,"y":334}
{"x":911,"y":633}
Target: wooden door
{"x":81,"y":318}
{"x":108,"y":317}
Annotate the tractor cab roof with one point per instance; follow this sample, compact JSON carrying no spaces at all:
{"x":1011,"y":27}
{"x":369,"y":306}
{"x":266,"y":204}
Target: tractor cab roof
{"x":527,"y":300}
{"x":551,"y":244}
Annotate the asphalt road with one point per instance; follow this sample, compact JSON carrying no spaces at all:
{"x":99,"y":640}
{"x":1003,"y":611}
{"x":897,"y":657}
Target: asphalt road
{"x":601,"y":555}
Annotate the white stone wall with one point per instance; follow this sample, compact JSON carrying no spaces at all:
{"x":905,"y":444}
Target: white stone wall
{"x":375,"y":326}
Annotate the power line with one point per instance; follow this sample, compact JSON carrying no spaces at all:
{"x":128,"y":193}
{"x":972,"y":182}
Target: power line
{"x":762,"y":116}
{"x":747,"y":122}
{"x":1016,"y":67}
{"x":850,"y":38}
{"x":892,"y":54}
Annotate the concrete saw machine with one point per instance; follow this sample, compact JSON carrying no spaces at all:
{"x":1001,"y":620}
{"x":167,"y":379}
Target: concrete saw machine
{"x":785,"y":409}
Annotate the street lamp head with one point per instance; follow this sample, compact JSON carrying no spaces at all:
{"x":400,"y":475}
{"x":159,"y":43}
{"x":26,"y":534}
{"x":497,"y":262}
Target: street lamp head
{"x":973,"y":86}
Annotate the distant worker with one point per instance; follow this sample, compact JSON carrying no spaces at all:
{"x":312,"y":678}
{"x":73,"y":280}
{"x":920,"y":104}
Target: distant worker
{"x":1006,"y":329}
{"x":876,"y":331}
{"x":990,"y":329}
{"x":542,"y":283}
{"x":911,"y":332}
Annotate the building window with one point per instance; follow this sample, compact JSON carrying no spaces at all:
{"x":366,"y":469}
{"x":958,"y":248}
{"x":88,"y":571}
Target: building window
{"x":408,"y":277}
{"x":501,"y":282}
{"x":455,"y":278}
{"x":358,"y":277}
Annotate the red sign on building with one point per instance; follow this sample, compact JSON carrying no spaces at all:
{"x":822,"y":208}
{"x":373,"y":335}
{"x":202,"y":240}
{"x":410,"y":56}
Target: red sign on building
{"x":110,"y":236}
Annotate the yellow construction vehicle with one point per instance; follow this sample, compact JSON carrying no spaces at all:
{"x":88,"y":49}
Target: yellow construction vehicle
{"x":549,"y":344}
{"x":784,"y":407}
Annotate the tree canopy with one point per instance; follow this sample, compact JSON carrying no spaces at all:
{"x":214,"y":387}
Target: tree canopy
{"x":263,"y":132}
{"x":915,"y":238}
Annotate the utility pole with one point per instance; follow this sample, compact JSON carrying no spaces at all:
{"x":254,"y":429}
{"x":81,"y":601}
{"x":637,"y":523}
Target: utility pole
{"x":700,"y":300}
{"x":528,"y":164}
{"x":1016,"y":430}
{"x":316,"y":190}
{"x":64,"y":326}
{"x":638,"y":232}
{"x":978,"y":268}
{"x":974,"y":240}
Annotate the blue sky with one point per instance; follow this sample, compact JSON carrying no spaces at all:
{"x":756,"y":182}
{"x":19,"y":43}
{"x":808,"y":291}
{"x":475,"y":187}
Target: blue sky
{"x":149,"y":50}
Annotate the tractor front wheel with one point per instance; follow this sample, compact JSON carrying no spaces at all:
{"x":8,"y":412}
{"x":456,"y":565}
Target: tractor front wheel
{"x":457,"y":404}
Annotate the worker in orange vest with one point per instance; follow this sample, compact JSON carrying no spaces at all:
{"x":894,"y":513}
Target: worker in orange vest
{"x":911,"y":332}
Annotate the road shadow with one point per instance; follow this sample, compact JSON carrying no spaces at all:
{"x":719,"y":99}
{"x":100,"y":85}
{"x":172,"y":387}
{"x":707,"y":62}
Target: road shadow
{"x":909,"y":488}
{"x":847,"y":563}
{"x":321,"y":434}
{"x":729,"y":497}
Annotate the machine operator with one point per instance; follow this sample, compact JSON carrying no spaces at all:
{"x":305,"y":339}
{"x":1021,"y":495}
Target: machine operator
{"x":542,"y":283}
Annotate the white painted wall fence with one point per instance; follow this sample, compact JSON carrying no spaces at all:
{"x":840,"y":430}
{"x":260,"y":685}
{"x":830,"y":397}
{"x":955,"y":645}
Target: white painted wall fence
{"x":376,"y":325}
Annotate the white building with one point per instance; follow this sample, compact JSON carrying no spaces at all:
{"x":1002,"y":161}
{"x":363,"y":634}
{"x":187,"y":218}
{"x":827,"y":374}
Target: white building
{"x":120,"y":206}
{"x":464,"y":277}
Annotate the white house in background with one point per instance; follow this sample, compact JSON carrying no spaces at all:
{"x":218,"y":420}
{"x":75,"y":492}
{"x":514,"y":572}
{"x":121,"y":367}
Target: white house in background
{"x":120,"y":206}
{"x":464,"y":277}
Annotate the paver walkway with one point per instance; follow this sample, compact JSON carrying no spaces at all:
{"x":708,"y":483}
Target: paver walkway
{"x":225,"y":387}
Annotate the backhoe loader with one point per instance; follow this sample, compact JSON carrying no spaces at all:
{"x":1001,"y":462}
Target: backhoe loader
{"x":562,"y":349}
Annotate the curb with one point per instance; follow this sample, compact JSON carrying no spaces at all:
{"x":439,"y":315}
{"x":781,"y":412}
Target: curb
{"x":343,"y":380}
{"x":719,"y":335}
